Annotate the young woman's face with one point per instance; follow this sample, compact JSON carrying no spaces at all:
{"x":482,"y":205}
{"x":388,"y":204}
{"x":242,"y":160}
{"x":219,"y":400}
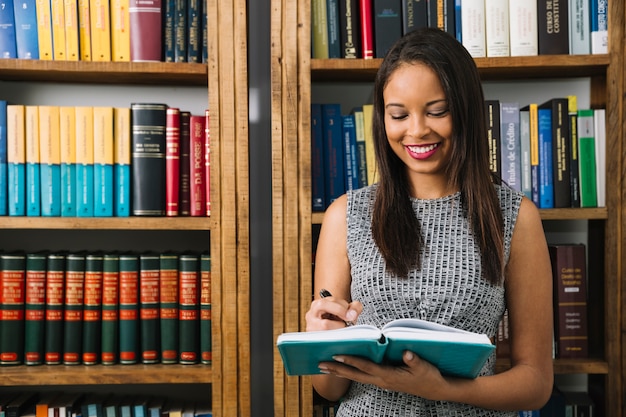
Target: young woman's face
{"x":417,"y":121}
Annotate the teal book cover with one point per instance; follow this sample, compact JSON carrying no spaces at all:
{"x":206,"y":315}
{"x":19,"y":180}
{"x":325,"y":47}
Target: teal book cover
{"x":103,"y":187}
{"x":50,"y":190}
{"x":122,"y":190}
{"x":33,"y":189}
{"x":453,"y":351}
{"x":68,"y":190}
{"x":85,"y":190}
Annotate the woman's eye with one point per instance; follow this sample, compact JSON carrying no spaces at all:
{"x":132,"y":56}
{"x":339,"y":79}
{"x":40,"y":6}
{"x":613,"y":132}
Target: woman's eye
{"x":397,"y":116}
{"x":439,"y":113}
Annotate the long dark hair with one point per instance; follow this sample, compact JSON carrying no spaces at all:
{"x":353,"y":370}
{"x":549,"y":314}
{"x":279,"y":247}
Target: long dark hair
{"x":395,"y":228}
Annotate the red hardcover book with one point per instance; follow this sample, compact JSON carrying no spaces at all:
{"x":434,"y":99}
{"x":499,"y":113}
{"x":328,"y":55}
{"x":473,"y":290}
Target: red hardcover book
{"x":172,"y":160}
{"x":145,"y":30}
{"x":12,"y":280}
{"x":184,"y":205}
{"x":196,"y":161}
{"x":570,"y":300}
{"x":207,"y":163}
{"x":367,"y":28}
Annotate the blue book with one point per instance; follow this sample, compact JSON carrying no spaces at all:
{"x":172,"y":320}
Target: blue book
{"x":453,"y":351}
{"x":510,"y":145}
{"x":546,"y":180}
{"x":334,"y":165}
{"x":16,"y":160}
{"x":3,"y":159}
{"x":169,"y":30}
{"x":332,"y":19}
{"x":8,"y":46}
{"x":317,"y":159}
{"x":33,"y":177}
{"x":50,"y":160}
{"x":351,"y":160}
{"x":599,"y":12}
{"x":458,"y":21}
{"x":194,"y":30}
{"x":26,"y":38}
{"x":180,"y":31}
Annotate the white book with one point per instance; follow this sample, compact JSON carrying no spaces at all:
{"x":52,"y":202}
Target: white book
{"x":523,"y":28}
{"x":497,"y":27}
{"x":524,"y":125}
{"x":473,"y":27}
{"x":599,"y":126}
{"x":599,"y":11}
{"x":579,"y":27}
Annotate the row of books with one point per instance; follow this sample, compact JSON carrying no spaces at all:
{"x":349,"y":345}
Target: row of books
{"x":91,"y":308}
{"x":565,"y":403}
{"x":487,"y":28}
{"x":80,"y":161}
{"x":95,"y":404}
{"x":104,"y":30}
{"x":553,"y":152}
{"x":569,"y":275}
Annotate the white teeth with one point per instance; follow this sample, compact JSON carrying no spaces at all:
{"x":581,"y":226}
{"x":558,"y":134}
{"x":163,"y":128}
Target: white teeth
{"x":422,"y":149}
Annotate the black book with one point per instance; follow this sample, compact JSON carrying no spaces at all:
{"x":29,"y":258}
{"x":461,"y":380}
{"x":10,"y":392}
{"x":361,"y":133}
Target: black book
{"x":148,"y":158}
{"x":492,"y":112}
{"x":561,"y":150}
{"x":441,"y":15}
{"x":349,"y":29}
{"x":414,"y":15}
{"x":387,"y":25}
{"x":553,"y":27}
{"x":22,"y":404}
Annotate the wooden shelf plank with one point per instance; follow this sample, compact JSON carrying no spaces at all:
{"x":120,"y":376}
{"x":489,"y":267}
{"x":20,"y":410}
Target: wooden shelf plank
{"x":148,"y":73}
{"x":568,"y":366}
{"x":107,"y":223}
{"x":101,"y":374}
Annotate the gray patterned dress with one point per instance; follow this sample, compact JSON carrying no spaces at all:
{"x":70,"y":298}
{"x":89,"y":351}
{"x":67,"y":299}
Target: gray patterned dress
{"x":448,"y":289}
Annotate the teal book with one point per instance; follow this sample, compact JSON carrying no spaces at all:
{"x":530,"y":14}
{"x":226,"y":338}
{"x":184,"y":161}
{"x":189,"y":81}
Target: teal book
{"x":8,"y":47}
{"x":50,"y":160}
{"x":92,"y":311}
{"x":110,"y":306}
{"x":67,"y":133}
{"x":26,"y":38}
{"x":3,"y":147}
{"x":12,"y":272}
{"x":73,"y":313}
{"x":84,"y":118}
{"x":129,"y":308}
{"x":34,"y":308}
{"x":85,"y":188}
{"x":122,"y":162}
{"x":453,"y":351}
{"x":103,"y":161}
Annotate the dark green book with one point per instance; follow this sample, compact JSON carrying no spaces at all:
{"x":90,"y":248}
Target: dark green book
{"x":73,"y":313}
{"x":206,"y":352}
{"x":55,"y":299}
{"x":92,"y":311}
{"x":129,"y":323}
{"x":194,"y":30}
{"x":35,"y":308}
{"x":21,"y":405}
{"x":149,"y":271}
{"x":189,"y":308}
{"x":180,"y":31}
{"x":12,"y":272}
{"x":110,"y":306}
{"x":168,"y":294}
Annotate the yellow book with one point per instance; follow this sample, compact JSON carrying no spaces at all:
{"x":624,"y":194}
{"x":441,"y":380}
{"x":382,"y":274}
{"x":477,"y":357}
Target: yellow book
{"x":72,"y":46}
{"x":100,"y":30}
{"x":368,"y":113}
{"x":57,"y":10}
{"x":16,"y":159}
{"x":534,"y":150}
{"x":121,"y":143}
{"x":84,"y":30}
{"x":67,"y":133}
{"x":44,"y":30}
{"x":103,"y":161}
{"x":84,"y":161}
{"x":120,"y":31}
{"x":50,"y":160}
{"x":33,"y":184}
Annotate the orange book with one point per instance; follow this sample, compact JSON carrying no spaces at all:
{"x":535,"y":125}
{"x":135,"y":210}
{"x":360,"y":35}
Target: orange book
{"x":100,"y":30}
{"x":57,"y":10}
{"x":44,"y":30}
{"x":84,"y":30}
{"x":72,"y":46}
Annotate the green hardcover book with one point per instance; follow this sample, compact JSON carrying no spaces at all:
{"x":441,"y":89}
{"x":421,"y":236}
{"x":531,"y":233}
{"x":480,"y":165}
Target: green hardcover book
{"x":129,"y":292}
{"x":12,"y":271}
{"x":92,"y":311}
{"x":35,"y":307}
{"x":587,"y":159}
{"x":206,"y":351}
{"x":73,"y":313}
{"x":189,"y":308}
{"x":110,"y":306}
{"x":168,"y":294}
{"x":55,"y":298}
{"x":149,"y":271}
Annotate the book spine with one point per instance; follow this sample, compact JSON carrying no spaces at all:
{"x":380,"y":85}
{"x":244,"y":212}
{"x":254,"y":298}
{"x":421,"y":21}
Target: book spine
{"x":317,"y":159}
{"x":180,"y":31}
{"x":103,"y":150}
{"x":73,"y":311}
{"x":148,"y":158}
{"x":207,"y":163}
{"x":332,"y":26}
{"x":92,"y":311}
{"x":474,"y":27}
{"x":366,"y":15}
{"x":534,"y":152}
{"x":599,"y":125}
{"x":184,"y":202}
{"x":169,"y":30}
{"x":8,"y":47}
{"x":16,"y":160}
{"x":44,"y":29}
{"x":197,"y":170}
{"x":546,"y":171}
{"x":100,"y":16}
{"x":50,"y":160}
{"x":188,"y":308}
{"x":599,"y":11}
{"x":26,"y":37}
{"x":67,"y":133}
{"x":579,"y":27}
{"x":561,"y":153}
{"x":194,"y":30}
{"x":334,"y":166}
{"x":12,"y":293}
{"x":172,"y":161}
{"x":84,"y":161}
{"x":34,"y":308}
{"x":350,"y":154}
{"x":492,"y":110}
{"x":319,"y":31}
{"x":84,"y":30}
{"x":524,"y":122}
{"x":33,"y":182}
{"x":587,"y":158}
{"x":349,"y":29}
{"x":553,"y":27}
{"x":122,"y":161}
{"x":497,"y":27}
{"x":510,"y":145}
{"x":57,"y":12}
{"x":3,"y":157}
{"x":206,"y":351}
{"x":572,"y":105}
{"x":145,"y":30}
{"x":368,"y":114}
{"x":72,"y":45}
{"x":110,"y":305}
{"x":523,"y":28}
{"x":387,"y":25}
{"x":414,"y":15}
{"x":149,"y":268}
{"x":120,"y":31}
{"x":128,"y":312}
{"x":55,"y":299}
{"x":361,"y":147}
{"x":168,"y":307}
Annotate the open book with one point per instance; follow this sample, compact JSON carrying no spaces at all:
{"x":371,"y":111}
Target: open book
{"x":453,"y":351}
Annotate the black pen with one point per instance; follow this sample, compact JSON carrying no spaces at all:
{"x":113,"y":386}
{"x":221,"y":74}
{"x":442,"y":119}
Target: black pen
{"x":325,"y":293}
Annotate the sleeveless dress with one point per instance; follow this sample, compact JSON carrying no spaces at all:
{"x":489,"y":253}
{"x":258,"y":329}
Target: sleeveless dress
{"x":448,"y":289}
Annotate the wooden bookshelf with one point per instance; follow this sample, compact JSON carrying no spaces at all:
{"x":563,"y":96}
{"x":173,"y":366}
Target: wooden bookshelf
{"x":109,"y":223}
